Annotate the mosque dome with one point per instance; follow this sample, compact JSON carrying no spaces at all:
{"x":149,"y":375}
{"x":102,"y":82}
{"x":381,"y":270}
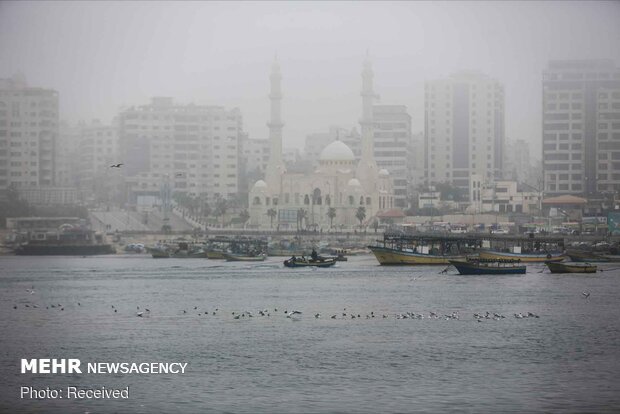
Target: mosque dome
{"x":354,"y":182}
{"x":383,"y":172}
{"x":260,"y":184}
{"x":337,"y":151}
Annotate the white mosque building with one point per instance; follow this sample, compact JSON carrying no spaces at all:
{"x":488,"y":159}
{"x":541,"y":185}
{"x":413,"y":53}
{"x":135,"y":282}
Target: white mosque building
{"x":332,"y":195}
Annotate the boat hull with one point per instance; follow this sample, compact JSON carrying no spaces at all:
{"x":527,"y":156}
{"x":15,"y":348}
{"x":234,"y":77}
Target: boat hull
{"x":76,"y":250}
{"x":582,"y":257}
{"x":325,"y":263}
{"x":570,"y":268}
{"x":215,"y":254}
{"x":523,"y":257}
{"x":393,"y":257}
{"x":236,"y":258}
{"x":467,"y":268}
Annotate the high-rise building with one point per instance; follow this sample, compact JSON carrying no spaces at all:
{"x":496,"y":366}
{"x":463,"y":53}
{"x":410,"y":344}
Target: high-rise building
{"x":518,"y":164}
{"x":416,"y":161}
{"x":98,"y":149}
{"x":581,"y":127}
{"x":191,"y":149}
{"x":392,"y":147}
{"x":67,"y":158}
{"x":255,"y":155}
{"x":464,"y":129}
{"x":28,"y":134}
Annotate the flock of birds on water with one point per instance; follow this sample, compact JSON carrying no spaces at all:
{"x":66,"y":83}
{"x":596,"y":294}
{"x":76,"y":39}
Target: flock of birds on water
{"x":296,"y":314}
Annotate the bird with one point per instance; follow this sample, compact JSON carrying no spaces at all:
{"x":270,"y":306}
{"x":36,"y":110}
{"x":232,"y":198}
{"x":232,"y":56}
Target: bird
{"x":15,"y":307}
{"x":333,"y":316}
{"x":293,"y":313}
{"x":586,"y":294}
{"x":139,"y":314}
{"x":116,"y":165}
{"x":237,"y":316}
{"x":317,"y":315}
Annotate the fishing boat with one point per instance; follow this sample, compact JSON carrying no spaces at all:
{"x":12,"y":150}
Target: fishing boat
{"x":237,"y":249}
{"x":488,"y":267}
{"x":302,"y":262}
{"x":234,"y":257}
{"x":422,"y":249}
{"x":390,"y":256}
{"x":524,"y":257}
{"x":215,"y":254}
{"x":585,"y":256}
{"x":67,"y":240}
{"x":555,"y":267}
{"x":182,"y":250}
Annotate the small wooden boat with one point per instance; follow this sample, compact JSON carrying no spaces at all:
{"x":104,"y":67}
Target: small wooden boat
{"x":488,"y":267}
{"x":571,"y":267}
{"x":215,"y":254}
{"x":588,"y":257}
{"x":299,"y":262}
{"x":388,"y":256}
{"x":524,"y":257}
{"x":233,"y":257}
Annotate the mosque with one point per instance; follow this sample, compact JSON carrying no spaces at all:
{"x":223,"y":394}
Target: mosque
{"x":338,"y":194}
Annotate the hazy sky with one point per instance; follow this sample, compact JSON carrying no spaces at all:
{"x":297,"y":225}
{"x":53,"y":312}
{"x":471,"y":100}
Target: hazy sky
{"x":103,"y":55}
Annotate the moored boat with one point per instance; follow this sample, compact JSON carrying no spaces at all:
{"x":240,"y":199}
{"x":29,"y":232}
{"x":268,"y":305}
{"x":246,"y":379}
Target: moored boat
{"x":67,"y":240}
{"x":215,"y":254}
{"x":300,"y":262}
{"x":389,"y":256}
{"x":182,"y":250}
{"x":524,"y":257}
{"x":586,"y":256}
{"x":233,"y":257}
{"x":555,"y":267}
{"x":488,"y":267}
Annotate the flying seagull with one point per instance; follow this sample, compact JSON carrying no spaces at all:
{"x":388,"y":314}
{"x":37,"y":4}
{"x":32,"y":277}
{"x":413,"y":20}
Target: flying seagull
{"x":291,"y":314}
{"x":116,"y":165}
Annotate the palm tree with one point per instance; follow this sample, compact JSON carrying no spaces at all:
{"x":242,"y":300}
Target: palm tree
{"x":331,"y":213}
{"x":272,"y":213}
{"x":360,"y":214}
{"x":245,"y":216}
{"x":220,"y":208}
{"x":206,"y":209}
{"x":302,"y":214}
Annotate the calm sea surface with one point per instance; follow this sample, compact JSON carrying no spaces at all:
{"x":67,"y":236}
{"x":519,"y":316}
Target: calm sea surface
{"x":567,"y":360}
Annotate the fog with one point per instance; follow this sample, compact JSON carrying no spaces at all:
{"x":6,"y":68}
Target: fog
{"x":102,"y":56}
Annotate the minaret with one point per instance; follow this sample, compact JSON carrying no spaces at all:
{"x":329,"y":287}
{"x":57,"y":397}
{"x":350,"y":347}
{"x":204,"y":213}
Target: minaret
{"x":367,"y":167}
{"x":275,"y":168}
